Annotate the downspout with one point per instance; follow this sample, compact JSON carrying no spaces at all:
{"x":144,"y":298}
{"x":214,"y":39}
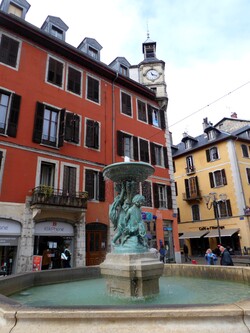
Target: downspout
{"x":113,"y":117}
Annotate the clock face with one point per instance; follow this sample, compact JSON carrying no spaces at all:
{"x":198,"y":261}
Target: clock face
{"x":152,"y":74}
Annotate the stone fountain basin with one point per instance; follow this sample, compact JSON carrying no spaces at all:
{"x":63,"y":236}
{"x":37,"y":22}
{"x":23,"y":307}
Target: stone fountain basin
{"x":128,"y":171}
{"x":224,"y":318}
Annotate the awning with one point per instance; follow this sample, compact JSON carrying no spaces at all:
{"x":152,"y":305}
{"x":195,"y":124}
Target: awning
{"x":193,"y":234}
{"x":223,"y":233}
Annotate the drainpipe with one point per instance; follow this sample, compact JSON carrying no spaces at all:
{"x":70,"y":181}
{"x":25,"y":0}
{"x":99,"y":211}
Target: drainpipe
{"x":113,"y":117}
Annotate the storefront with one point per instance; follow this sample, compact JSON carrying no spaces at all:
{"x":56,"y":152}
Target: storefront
{"x":54,"y":236}
{"x":10,"y":232}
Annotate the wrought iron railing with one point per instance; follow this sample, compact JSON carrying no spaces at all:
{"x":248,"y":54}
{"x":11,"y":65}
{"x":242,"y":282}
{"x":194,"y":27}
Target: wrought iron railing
{"x":47,"y":195}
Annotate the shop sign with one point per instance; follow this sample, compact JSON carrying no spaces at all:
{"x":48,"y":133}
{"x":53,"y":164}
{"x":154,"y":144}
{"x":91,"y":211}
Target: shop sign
{"x":211,"y":228}
{"x":8,"y":241}
{"x":37,"y":263}
{"x":54,"y":228}
{"x":147,"y":216}
{"x":167,"y":228}
{"x":8,"y":227}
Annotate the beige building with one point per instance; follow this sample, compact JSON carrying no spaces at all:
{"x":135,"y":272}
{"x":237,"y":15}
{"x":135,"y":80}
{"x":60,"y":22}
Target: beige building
{"x":212,"y":176}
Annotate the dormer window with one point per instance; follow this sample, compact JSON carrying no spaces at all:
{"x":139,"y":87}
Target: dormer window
{"x":56,"y":32}
{"x":93,"y":53}
{"x":16,"y":10}
{"x":211,"y":135}
{"x":123,"y":70}
{"x":188,"y":144}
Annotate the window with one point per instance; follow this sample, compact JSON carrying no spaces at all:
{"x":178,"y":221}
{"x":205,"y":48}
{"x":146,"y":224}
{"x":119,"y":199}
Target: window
{"x":92,"y":89}
{"x":58,"y":33}
{"x":156,"y":117}
{"x":47,"y":174}
{"x":93,"y":53}
{"x":147,"y":193}
{"x":218,"y":178}
{"x":123,"y":70}
{"x":49,"y":125}
{"x":127,"y":145}
{"x":126,"y":106}
{"x":9,"y":48}
{"x":192,"y":188}
{"x":245,"y":152}
{"x":74,"y":81}
{"x":190,"y":164}
{"x":150,"y":51}
{"x":69,"y":180}
{"x":141,"y":110}
{"x":159,"y":155}
{"x":212,"y":154}
{"x":188,"y":144}
{"x":248,"y":175}
{"x":94,"y":185}
{"x":55,"y":72}
{"x":72,"y":127}
{"x":144,"y":153}
{"x":9,"y":113}
{"x":14,"y":9}
{"x":162,"y":196}
{"x":196,"y":212}
{"x":211,"y":135}
{"x":92,"y":134}
{"x":224,"y":209}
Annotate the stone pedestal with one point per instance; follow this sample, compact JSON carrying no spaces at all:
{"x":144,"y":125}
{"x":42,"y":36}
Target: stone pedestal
{"x":132,"y":274}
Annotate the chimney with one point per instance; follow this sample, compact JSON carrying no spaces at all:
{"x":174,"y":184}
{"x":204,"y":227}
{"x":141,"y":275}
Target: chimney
{"x":234,"y":115}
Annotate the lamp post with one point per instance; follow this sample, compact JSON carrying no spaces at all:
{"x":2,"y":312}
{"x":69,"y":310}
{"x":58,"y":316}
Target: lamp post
{"x":212,"y":201}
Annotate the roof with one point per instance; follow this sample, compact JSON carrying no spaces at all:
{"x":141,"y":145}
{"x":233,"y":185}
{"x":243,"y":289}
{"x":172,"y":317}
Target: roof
{"x":56,"y":21}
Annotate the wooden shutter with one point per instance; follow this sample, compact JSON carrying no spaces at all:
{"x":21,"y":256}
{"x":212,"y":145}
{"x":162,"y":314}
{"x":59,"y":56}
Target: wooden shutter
{"x":229,"y":209}
{"x":156,"y":195}
{"x":187,"y":188}
{"x":76,"y":133}
{"x":162,"y":117}
{"x":92,"y":134}
{"x":144,"y":155}
{"x":120,"y":150}
{"x":14,"y":115}
{"x":126,"y":104}
{"x":69,"y":180}
{"x":152,"y":151}
{"x":165,"y":156}
{"x":211,"y":178}
{"x":135,"y":148}
{"x":208,"y":155}
{"x":93,"y":89}
{"x":69,"y":126}
{"x":89,"y":183}
{"x":169,"y":197}
{"x":61,"y":128}
{"x":96,"y":135}
{"x":224,"y":178}
{"x":38,"y":123}
{"x":101,"y":187}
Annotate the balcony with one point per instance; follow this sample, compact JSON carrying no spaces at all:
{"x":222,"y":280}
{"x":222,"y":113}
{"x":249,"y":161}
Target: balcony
{"x":191,"y":197}
{"x":190,"y":170}
{"x":47,"y":195}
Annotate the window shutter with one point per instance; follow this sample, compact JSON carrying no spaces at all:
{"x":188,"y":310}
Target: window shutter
{"x":89,"y":183}
{"x":93,"y":89}
{"x":162,"y":117}
{"x":120,"y":150}
{"x":69,"y":126}
{"x":186,"y":181}
{"x":96,"y":135}
{"x":61,"y":128}
{"x":150,"y":119}
{"x":169,"y":197}
{"x":135,"y":148}
{"x":211,"y":178}
{"x":229,"y":209}
{"x":14,"y":115}
{"x":176,"y":188}
{"x":90,"y":133}
{"x":208,"y":155}
{"x":224,"y":178}
{"x":144,"y":156}
{"x":101,"y":187}
{"x":152,"y":150}
{"x":165,"y":156}
{"x":126,"y":104}
{"x":38,"y":124}
{"x":156,"y":196}
{"x":76,"y":128}
{"x":197,"y":186}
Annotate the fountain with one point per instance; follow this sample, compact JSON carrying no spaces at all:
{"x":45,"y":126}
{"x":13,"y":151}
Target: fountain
{"x":130,"y":269}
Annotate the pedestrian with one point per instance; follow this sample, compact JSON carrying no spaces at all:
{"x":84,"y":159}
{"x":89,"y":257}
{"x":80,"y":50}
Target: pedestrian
{"x":46,"y":259}
{"x":154,"y":250}
{"x":210,"y":257}
{"x":226,"y":259}
{"x":162,"y":253}
{"x":66,"y":257}
{"x":185,"y":250}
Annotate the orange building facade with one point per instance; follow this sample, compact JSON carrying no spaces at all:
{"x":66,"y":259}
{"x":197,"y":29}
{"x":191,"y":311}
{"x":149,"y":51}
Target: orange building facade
{"x":64,"y":117}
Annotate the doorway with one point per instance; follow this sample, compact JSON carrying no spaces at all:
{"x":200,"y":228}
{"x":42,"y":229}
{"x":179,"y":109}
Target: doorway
{"x":96,"y":243}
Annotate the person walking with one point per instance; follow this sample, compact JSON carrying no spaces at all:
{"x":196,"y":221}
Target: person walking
{"x":162,"y":253}
{"x":226,"y":259}
{"x":185,"y":251}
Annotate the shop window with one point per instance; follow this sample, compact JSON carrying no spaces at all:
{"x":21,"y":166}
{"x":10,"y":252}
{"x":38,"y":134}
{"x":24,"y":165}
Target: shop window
{"x":72,"y":127}
{"x":126,"y":106}
{"x":55,"y":72}
{"x":93,"y":87}
{"x":49,"y":126}
{"x":9,"y":113}
{"x":74,"y":81}
{"x":217,"y":178}
{"x":9,"y":50}
{"x":94,"y":185}
{"x":92,"y":134}
{"x":141,"y":111}
{"x":144,"y":151}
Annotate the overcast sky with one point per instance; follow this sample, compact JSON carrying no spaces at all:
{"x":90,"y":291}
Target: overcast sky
{"x":204,"y":43}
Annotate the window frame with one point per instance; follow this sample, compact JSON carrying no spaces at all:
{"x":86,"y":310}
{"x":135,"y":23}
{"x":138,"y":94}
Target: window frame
{"x":212,"y":154}
{"x":248,"y":175}
{"x":143,"y":119}
{"x":64,"y":165}
{"x":245,"y":150}
{"x":195,"y":213}
{"x":95,"y":99}
{"x":80,"y":81}
{"x":218,"y":178}
{"x":97,"y":192}
{"x":147,"y":193}
{"x":12,"y":110}
{"x":92,"y":138}
{"x":18,"y":53}
{"x":62,"y":74}
{"x":143,"y":154}
{"x":126,"y":110}
{"x":72,"y":134}
{"x":41,"y":160}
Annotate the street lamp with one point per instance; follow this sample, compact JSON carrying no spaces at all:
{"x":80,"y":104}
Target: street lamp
{"x":211,"y":201}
